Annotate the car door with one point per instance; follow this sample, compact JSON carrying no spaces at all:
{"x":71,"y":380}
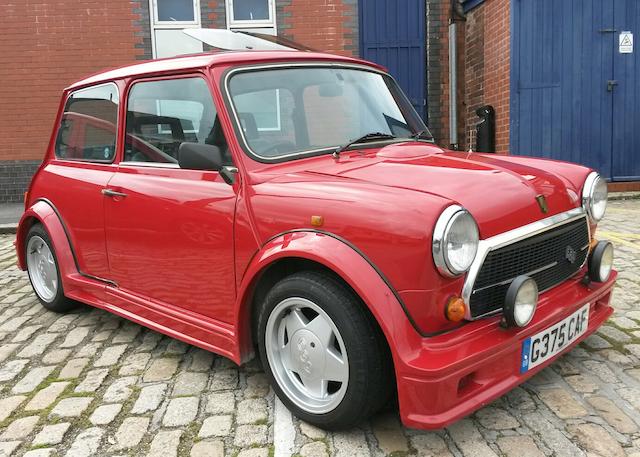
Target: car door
{"x":82,"y":166}
{"x":169,"y":230}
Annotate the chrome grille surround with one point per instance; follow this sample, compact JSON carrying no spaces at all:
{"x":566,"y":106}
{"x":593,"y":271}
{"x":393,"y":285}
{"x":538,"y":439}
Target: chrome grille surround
{"x":512,"y":236}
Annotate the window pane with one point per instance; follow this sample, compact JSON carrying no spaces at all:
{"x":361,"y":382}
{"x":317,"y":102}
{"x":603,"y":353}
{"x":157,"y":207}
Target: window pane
{"x":264,"y":105}
{"x":88,"y":127}
{"x":251,"y":10}
{"x":175,"y":10}
{"x":161,"y":115}
{"x":335,"y":107}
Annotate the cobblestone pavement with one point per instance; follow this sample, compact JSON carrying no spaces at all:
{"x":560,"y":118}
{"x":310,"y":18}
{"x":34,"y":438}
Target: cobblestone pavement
{"x":90,"y":383}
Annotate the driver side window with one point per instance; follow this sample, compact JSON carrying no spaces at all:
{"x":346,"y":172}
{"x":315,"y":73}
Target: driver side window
{"x":161,"y":115}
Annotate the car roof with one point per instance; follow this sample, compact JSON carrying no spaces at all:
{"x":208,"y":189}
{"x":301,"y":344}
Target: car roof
{"x":209,"y":59}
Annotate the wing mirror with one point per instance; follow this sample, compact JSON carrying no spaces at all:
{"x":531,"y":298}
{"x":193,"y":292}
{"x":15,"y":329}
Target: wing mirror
{"x":198,"y":156}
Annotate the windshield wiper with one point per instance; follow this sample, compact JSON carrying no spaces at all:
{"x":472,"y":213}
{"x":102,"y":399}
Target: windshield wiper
{"x":422,"y":135}
{"x":372,"y":136}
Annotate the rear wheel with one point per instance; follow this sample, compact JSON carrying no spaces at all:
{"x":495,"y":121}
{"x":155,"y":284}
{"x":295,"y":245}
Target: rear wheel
{"x":43,"y":271}
{"x":325,"y":356}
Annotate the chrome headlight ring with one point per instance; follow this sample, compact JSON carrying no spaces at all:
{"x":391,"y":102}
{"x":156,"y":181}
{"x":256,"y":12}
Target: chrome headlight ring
{"x":594,"y":196}
{"x":455,"y":241}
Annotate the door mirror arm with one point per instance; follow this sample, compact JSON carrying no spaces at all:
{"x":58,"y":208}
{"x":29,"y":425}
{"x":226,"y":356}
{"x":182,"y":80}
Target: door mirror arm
{"x":228,"y":173}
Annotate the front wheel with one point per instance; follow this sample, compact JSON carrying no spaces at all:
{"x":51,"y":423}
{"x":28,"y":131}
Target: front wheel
{"x":324,"y":354}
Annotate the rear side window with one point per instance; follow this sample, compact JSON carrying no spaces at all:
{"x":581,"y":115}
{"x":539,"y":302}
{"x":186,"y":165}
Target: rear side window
{"x":89,"y":125}
{"x":161,"y":115}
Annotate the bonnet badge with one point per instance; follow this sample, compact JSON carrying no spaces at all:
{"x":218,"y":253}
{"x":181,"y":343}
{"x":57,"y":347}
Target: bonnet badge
{"x":542,"y":203}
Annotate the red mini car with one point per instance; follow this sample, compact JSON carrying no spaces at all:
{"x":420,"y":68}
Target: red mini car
{"x":294,"y":204}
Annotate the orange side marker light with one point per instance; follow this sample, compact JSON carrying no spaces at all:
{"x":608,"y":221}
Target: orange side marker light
{"x":455,"y":309}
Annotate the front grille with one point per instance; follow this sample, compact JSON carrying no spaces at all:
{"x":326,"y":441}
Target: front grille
{"x":546,"y":257}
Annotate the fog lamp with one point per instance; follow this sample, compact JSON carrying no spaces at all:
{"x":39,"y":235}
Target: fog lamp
{"x":521,"y":301}
{"x":601,"y":261}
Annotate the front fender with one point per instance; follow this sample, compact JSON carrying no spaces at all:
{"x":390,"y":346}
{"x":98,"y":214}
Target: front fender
{"x":346,"y":261}
{"x":43,"y":213}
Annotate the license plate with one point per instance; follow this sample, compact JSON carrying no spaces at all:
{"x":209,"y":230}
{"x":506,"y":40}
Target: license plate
{"x":549,"y":342}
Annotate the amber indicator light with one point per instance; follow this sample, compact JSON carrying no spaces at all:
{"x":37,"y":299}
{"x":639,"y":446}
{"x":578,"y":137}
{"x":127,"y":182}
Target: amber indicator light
{"x":317,"y":221}
{"x":455,"y":309}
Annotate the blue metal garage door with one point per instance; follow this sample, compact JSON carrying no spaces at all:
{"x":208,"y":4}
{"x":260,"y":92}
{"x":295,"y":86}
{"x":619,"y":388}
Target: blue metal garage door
{"x":574,"y":95}
{"x":392,"y":33}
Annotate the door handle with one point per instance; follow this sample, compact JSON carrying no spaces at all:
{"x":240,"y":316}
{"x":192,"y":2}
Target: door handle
{"x":608,"y":30}
{"x":112,"y":193}
{"x":611,"y":84}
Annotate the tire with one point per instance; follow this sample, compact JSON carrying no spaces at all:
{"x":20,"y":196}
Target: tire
{"x":44,"y":274}
{"x":333,"y":381}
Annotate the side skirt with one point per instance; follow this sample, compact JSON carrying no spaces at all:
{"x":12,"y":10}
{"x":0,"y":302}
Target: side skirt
{"x":181,"y":324}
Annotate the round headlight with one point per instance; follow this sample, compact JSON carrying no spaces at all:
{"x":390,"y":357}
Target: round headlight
{"x":594,"y":196}
{"x":601,"y":261}
{"x":455,"y":241}
{"x":521,"y":301}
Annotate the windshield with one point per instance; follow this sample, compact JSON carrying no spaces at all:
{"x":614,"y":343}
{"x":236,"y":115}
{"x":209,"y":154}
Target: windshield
{"x":285,"y":112}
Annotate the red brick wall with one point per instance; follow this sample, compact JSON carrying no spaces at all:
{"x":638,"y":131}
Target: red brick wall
{"x":325,"y":25}
{"x":45,"y":45}
{"x":487,"y":66}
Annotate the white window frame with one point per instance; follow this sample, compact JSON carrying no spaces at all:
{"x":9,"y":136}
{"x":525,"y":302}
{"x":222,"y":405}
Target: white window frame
{"x":238,"y":24}
{"x":153,"y":8}
{"x":170,"y":25}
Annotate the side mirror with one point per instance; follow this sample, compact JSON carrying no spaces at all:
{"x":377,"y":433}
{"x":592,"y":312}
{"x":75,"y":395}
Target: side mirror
{"x":198,"y":156}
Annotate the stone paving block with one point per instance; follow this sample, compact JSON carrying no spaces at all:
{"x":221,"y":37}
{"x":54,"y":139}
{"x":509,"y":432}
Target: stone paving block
{"x":38,"y":345}
{"x":73,"y":368}
{"x":181,"y":411}
{"x":252,"y":411}
{"x":9,"y":404}
{"x":161,"y":370}
{"x":315,"y":449}
{"x":597,"y":440}
{"x":88,"y":350}
{"x":45,"y":452}
{"x":430,"y":444}
{"x":7,"y":447}
{"x":20,"y":428}
{"x":165,"y":444}
{"x":149,"y":399}
{"x":613,"y":415}
{"x":216,"y":426}
{"x":105,"y":414}
{"x":51,"y":434}
{"x":92,"y":381}
{"x":221,"y":403}
{"x":120,"y":390}
{"x":350,"y":444}
{"x":201,"y":360}
{"x":25,"y":333}
{"x":86,"y":443}
{"x":562,"y":403}
{"x":56,"y":356}
{"x":6,"y":350}
{"x":75,"y":337}
{"x":224,"y":380}
{"x":390,"y":435}
{"x":130,"y":432}
{"x":32,"y":379}
{"x":519,"y":446}
{"x":127,"y":333}
{"x":188,"y":383}
{"x":134,"y":364}
{"x":45,"y":397}
{"x":11,"y":369}
{"x":311,"y":431}
{"x":496,"y":419}
{"x":250,"y":435}
{"x":110,"y":356}
{"x":208,"y":449}
{"x":469,"y":440}
{"x":71,"y":407}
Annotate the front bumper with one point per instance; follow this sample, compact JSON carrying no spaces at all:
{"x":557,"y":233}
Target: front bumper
{"x":454,"y":374}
